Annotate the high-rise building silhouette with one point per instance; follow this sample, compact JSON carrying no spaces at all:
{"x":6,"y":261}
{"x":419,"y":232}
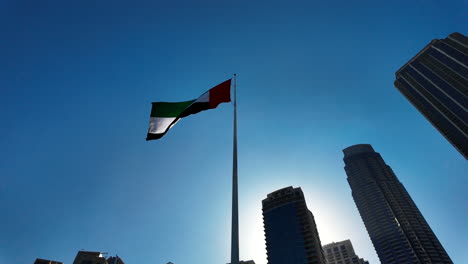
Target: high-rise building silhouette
{"x":398,"y":230}
{"x":290,"y":230}
{"x":89,"y":257}
{"x":95,"y":257}
{"x":115,"y":260}
{"x":342,"y":253}
{"x":435,"y":81}
{"x":46,"y":261}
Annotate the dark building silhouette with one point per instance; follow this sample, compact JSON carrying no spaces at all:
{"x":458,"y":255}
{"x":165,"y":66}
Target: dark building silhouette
{"x":290,"y":229}
{"x":95,"y":257}
{"x":246,"y":262}
{"x":435,"y":81}
{"x":45,"y":261}
{"x":342,"y":253}
{"x":89,"y":257}
{"x":115,"y":260}
{"x":398,"y":230}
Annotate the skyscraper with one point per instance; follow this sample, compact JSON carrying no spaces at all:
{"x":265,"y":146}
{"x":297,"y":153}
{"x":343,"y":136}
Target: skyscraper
{"x":290,"y":229}
{"x":94,"y":257}
{"x":435,"y":81}
{"x":89,"y":257}
{"x":115,"y":260}
{"x":46,"y":261}
{"x":342,"y":253}
{"x":397,"y":228}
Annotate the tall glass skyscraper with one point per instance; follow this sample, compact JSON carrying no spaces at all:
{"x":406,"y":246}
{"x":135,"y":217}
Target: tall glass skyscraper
{"x":435,"y":81}
{"x":290,"y":230}
{"x":398,"y":230}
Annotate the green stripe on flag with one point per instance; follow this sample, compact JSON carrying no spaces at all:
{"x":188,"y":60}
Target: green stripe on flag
{"x":164,"y":109}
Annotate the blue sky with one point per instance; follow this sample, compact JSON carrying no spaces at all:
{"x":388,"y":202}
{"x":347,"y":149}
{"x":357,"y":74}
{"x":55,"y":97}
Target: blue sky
{"x":77,"y":79}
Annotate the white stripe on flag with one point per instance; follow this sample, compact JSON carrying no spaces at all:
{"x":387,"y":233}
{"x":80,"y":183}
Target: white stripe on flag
{"x":205,"y":98}
{"x":158,"y":125}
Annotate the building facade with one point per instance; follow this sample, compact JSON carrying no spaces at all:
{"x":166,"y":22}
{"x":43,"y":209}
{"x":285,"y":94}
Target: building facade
{"x":435,"y":81}
{"x":342,"y":253}
{"x":89,"y":257}
{"x":94,"y":257}
{"x":115,"y":260}
{"x":46,"y":261}
{"x":398,"y":230}
{"x":290,"y":230}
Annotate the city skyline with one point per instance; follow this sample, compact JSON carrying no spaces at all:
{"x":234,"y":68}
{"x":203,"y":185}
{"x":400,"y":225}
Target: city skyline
{"x":78,"y":80}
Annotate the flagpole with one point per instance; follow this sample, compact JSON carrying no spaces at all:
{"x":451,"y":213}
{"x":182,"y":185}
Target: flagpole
{"x":235,"y":210}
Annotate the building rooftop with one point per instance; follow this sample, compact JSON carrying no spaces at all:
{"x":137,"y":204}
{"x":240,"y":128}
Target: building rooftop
{"x":454,"y":35}
{"x":358,"y":149}
{"x":46,"y":261}
{"x":282,"y":196}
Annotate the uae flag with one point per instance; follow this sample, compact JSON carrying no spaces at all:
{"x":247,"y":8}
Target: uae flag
{"x":165,"y":115}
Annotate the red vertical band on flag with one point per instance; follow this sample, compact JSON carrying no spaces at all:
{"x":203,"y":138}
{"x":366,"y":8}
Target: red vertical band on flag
{"x":221,"y":93}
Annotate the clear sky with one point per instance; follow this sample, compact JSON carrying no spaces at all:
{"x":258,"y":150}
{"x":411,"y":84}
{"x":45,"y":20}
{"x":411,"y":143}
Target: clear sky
{"x":77,"y":79}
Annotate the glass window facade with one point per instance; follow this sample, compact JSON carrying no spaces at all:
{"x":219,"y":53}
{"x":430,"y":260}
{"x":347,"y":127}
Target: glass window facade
{"x":395,"y":225}
{"x":290,"y":231}
{"x":435,"y":81}
{"x":284,"y":239}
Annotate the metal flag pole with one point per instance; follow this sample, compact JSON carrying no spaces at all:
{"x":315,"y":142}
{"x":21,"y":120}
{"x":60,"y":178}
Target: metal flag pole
{"x":235,"y":210}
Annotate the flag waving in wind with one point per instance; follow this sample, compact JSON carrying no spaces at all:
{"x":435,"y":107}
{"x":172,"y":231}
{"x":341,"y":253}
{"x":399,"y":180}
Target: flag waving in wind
{"x":165,"y":115}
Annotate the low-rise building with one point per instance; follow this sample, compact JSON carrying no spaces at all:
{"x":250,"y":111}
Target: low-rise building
{"x":342,"y":253}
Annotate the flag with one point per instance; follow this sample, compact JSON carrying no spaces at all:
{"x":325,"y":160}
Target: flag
{"x":164,"y":115}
